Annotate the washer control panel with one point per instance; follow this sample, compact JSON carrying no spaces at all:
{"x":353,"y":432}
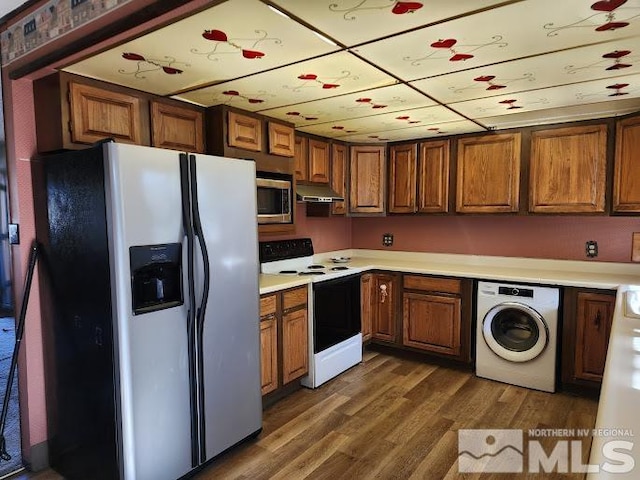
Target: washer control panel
{"x":516,"y":291}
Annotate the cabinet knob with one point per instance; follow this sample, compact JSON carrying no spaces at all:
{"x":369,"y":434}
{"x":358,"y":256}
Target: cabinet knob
{"x":383,"y":293}
{"x":597,"y":320}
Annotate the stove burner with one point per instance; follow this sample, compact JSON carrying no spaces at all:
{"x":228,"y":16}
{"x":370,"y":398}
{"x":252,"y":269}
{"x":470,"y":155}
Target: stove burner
{"x":311,"y":273}
{"x":339,"y":268}
{"x":285,"y":272}
{"x":316,"y":266}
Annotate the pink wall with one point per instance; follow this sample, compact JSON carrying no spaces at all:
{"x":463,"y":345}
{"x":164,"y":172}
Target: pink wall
{"x":555,"y":237}
{"x":327,"y":233}
{"x":21,"y":146}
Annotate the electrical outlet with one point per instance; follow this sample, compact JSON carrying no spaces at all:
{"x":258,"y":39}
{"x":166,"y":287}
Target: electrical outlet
{"x":387,"y":239}
{"x":591,"y":248}
{"x":635,"y":247}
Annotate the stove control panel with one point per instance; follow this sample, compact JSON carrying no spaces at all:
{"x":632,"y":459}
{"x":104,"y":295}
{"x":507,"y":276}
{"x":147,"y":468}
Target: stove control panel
{"x":285,"y":249}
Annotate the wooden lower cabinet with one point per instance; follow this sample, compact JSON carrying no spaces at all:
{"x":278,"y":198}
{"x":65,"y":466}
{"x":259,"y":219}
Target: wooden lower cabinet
{"x":431,"y":322}
{"x":383,"y":303}
{"x":284,"y":341}
{"x":268,"y":354}
{"x":295,"y":352}
{"x":436,"y":315}
{"x":588,"y":315}
{"x":365,"y":306}
{"x":593,"y":327}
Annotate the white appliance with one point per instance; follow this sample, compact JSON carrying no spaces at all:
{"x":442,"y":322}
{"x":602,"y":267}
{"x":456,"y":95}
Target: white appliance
{"x":517,"y":334}
{"x":153,"y":265}
{"x":335,"y":337}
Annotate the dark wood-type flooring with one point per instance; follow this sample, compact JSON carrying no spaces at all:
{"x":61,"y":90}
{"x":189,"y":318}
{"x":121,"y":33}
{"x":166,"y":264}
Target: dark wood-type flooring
{"x":390,"y":418}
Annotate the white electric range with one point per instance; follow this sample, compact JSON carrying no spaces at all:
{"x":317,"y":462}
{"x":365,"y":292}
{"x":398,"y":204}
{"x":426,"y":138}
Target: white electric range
{"x":334,"y":306}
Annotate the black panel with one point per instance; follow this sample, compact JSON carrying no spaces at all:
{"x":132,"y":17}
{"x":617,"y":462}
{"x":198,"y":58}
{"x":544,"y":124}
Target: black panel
{"x":285,"y":249}
{"x":156,"y":277}
{"x":80,"y":386}
{"x":516,"y":292}
{"x":336,"y":311}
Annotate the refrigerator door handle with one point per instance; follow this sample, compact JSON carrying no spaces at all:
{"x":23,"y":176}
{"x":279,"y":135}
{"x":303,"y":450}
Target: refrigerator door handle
{"x":188,"y":230}
{"x":201,"y":309}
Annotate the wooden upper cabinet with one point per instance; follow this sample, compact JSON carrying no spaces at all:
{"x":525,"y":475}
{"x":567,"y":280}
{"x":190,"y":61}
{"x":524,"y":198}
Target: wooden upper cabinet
{"x":593,"y":327}
{"x":626,"y":175}
{"x":488,"y":174}
{"x":300,"y":164}
{"x":402,"y":178}
{"x":433,"y":177}
{"x":568,"y":170}
{"x":244,"y":132}
{"x":367,"y":179}
{"x":96,"y":114}
{"x":177,"y":128}
{"x":339,"y":155}
{"x":318,"y":161}
{"x":281,"y":139}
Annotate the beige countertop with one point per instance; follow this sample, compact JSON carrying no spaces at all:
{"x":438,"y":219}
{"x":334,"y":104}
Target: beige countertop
{"x":604,"y":275}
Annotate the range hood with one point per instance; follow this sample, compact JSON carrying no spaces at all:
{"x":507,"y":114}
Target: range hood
{"x":317,"y":194}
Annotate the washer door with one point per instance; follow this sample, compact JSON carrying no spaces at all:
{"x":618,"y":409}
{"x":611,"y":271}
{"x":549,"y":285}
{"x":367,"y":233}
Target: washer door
{"x":515,"y":332}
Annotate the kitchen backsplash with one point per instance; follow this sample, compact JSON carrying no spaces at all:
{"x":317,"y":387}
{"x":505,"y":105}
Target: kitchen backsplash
{"x":552,"y":237}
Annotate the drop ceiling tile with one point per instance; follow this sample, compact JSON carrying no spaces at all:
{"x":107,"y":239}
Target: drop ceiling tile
{"x":505,"y":33}
{"x":564,"y":114}
{"x":360,"y":104}
{"x":356,"y":21}
{"x":607,"y":60}
{"x":415,"y":133}
{"x":217,"y":44}
{"x":323,"y":77}
{"x":387,"y":122}
{"x":609,"y":90}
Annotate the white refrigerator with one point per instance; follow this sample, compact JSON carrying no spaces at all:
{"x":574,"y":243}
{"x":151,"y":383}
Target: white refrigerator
{"x":150,"y":268}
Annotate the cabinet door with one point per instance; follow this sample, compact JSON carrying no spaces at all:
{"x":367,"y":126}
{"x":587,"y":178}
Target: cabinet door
{"x":626,"y":176}
{"x":367,"y":174}
{"x":177,"y":128}
{"x":300,"y":163}
{"x":339,"y":177}
{"x":432,"y":322}
{"x":269,"y":354}
{"x":366,"y":286}
{"x":318,"y":161}
{"x":383,"y":305}
{"x":97,"y":114}
{"x":433,"y":177}
{"x":402,"y":178}
{"x":244,"y":132}
{"x":281,"y":139}
{"x":488,"y":174}
{"x":568,"y":170}
{"x":594,"y":317}
{"x":295,"y":351}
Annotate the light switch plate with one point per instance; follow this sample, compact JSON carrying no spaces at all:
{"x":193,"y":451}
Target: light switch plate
{"x":635,"y":247}
{"x":14,"y":234}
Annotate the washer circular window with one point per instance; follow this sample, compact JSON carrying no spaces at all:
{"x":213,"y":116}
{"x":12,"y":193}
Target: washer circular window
{"x":515,"y":332}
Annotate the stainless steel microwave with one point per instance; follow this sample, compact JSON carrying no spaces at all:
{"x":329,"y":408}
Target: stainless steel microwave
{"x":275,"y":200}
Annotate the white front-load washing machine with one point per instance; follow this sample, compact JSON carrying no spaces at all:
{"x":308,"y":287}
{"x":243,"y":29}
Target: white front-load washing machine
{"x":517,"y":334}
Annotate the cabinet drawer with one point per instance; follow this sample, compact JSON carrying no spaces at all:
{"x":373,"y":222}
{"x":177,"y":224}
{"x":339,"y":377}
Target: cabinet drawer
{"x":430,"y":284}
{"x":294,"y":298}
{"x":267,"y":305}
